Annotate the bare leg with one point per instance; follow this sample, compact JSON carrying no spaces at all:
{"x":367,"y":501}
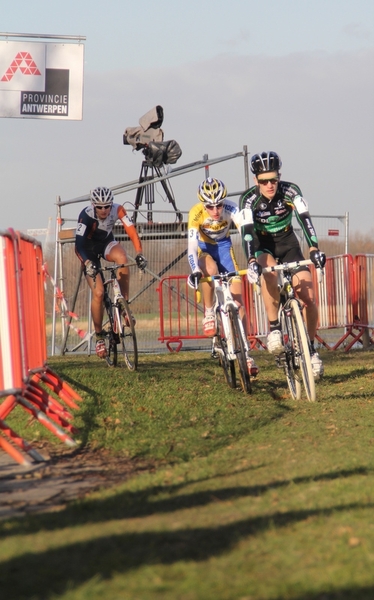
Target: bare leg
{"x":208,"y":267}
{"x":97,"y":308}
{"x":118,"y":255}
{"x":303,"y":285}
{"x":269,"y":290}
{"x":236,"y":291}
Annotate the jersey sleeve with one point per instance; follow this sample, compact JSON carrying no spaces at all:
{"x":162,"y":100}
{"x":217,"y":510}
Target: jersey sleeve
{"x":81,"y":234}
{"x":193,"y":240}
{"x":303,"y":217}
{"x":248,"y":232}
{"x":130,"y":229}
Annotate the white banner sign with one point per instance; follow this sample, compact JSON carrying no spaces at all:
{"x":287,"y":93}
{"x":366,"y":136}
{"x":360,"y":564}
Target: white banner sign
{"x":41,"y":81}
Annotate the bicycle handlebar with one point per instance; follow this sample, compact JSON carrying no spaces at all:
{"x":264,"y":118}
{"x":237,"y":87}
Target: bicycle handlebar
{"x":279,"y":267}
{"x":224,"y":276}
{"x":287,"y":266}
{"x":114,"y":267}
{"x":293,"y":265}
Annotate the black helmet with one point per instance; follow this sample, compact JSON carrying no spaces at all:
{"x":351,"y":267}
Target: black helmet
{"x":265,"y":162}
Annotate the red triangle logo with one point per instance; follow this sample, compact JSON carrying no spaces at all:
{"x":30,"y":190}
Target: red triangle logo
{"x":23,"y":61}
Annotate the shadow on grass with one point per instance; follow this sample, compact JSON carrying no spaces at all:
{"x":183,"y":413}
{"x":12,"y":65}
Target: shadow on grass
{"x":129,"y":505}
{"x":351,"y":593}
{"x":88,"y":413}
{"x":56,"y":570}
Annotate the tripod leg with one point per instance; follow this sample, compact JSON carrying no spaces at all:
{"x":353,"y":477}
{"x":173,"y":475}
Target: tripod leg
{"x":140,"y":191}
{"x":169,"y":194}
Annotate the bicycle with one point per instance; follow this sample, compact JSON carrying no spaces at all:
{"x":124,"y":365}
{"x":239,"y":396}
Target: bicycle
{"x":120,"y":327}
{"x":229,"y":343}
{"x":296,"y":357}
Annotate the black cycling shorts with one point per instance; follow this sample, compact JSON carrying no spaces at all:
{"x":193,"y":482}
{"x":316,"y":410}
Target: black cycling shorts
{"x":96,"y":250}
{"x":284,"y":246}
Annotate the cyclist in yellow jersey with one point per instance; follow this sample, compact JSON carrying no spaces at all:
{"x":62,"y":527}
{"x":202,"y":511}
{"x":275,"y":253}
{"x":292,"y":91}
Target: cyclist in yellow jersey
{"x":210,"y":249}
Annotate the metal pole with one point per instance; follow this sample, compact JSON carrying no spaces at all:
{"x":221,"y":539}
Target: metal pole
{"x":346,"y":232}
{"x":205,"y":158}
{"x":61,"y":277}
{"x":246,"y":169}
{"x":58,"y":221}
{"x":63,"y":348}
{"x":46,"y":36}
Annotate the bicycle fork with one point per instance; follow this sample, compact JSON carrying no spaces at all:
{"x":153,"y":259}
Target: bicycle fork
{"x":292,"y":351}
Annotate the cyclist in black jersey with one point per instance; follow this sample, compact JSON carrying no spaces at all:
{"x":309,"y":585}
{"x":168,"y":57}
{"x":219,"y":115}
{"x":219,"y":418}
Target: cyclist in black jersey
{"x":269,"y":237}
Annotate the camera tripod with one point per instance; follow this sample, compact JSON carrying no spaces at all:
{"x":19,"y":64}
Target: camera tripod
{"x":148,"y":191}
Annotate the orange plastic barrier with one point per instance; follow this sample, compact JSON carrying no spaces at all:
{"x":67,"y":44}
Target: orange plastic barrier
{"x":11,"y":359}
{"x":32,"y":302}
{"x":24,"y":376}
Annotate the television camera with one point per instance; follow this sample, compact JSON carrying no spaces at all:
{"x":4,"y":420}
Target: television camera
{"x":149,"y":138}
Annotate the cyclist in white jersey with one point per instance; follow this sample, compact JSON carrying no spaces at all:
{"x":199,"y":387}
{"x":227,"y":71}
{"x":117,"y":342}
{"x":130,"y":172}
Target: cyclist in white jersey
{"x":94,"y":239}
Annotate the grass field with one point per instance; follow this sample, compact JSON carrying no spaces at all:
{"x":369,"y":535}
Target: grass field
{"x":248,"y":497}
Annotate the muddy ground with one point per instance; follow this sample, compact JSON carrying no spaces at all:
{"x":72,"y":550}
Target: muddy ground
{"x":66,"y":475}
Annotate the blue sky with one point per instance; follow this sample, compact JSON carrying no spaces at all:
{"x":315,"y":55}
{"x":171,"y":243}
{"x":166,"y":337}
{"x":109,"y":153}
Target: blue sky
{"x":295,"y":77}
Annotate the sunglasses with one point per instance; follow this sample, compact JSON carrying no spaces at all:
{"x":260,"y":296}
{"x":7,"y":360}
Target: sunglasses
{"x":266,"y":181}
{"x":212,"y":206}
{"x":102,"y":207}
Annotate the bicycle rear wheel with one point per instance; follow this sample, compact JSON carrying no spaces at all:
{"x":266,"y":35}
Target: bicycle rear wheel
{"x":127,"y":338}
{"x":286,"y":360}
{"x":227,"y":365}
{"x":239,"y":349}
{"x":301,"y":340}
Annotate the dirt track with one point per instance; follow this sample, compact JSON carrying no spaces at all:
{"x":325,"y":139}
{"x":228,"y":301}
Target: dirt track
{"x":65,"y":476}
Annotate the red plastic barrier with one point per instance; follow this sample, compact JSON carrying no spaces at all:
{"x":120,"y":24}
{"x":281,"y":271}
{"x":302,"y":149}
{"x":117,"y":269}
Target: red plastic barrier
{"x":344,"y":296}
{"x":180,"y":314}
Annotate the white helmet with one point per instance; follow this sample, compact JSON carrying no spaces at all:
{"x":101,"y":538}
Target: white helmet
{"x":211,"y":191}
{"x":101,"y":195}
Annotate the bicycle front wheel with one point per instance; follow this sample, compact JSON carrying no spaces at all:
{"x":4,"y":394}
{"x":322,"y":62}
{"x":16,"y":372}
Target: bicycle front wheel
{"x":127,"y":337}
{"x":227,"y":365}
{"x":301,"y":341}
{"x":239,"y":349}
{"x":286,"y":360}
{"x":110,"y":339}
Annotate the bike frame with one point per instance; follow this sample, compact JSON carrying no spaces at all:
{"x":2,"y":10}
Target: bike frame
{"x":285,"y":274}
{"x":118,"y":333}
{"x":117,"y":295}
{"x":224,"y":300}
{"x":296,"y":355}
{"x":229,"y":344}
